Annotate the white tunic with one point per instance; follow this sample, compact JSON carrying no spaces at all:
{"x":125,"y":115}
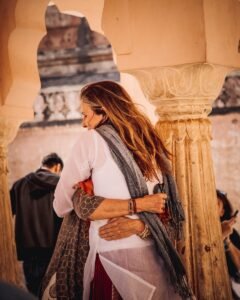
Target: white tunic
{"x":132,"y":263}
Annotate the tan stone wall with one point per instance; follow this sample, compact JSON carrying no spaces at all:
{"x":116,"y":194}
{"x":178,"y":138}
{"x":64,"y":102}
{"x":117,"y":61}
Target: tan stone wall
{"x":225,"y":151}
{"x":183,"y":32}
{"x":8,"y":23}
{"x":31,"y":144}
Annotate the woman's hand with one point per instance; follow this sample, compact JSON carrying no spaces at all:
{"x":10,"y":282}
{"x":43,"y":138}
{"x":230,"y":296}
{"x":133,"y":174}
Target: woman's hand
{"x":119,"y":228}
{"x":152,"y":203}
{"x":227,"y":227}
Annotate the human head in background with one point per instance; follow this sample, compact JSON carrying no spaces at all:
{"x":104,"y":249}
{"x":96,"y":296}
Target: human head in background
{"x":53,"y":163}
{"x":224,"y":205}
{"x":108,"y":101}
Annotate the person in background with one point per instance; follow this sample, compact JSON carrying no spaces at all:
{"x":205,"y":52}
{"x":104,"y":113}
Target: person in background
{"x":36,"y":224}
{"x":231,"y":240}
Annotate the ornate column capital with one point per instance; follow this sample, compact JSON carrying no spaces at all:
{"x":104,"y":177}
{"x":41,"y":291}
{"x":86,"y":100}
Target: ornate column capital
{"x":184,"y":91}
{"x":8,"y":130}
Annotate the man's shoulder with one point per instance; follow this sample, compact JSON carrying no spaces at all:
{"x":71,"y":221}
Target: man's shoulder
{"x":22,"y":179}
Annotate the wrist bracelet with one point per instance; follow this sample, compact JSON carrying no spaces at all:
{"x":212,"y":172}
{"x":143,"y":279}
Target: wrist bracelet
{"x":130,"y":207}
{"x":134,"y":206}
{"x":145,"y":233}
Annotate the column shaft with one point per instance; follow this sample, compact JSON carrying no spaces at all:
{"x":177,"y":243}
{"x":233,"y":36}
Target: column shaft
{"x":202,"y":248}
{"x":9,"y":270}
{"x":8,"y":262}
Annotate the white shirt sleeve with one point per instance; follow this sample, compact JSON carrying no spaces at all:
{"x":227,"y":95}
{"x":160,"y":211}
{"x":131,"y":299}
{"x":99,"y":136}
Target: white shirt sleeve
{"x":77,"y":168}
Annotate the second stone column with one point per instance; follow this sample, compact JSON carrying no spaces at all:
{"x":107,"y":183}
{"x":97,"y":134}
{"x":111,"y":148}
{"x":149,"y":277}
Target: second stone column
{"x":183,"y":97}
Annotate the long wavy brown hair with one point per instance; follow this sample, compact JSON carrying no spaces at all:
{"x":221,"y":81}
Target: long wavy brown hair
{"x":135,"y":129}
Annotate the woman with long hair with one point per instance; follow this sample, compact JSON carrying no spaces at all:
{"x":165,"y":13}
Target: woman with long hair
{"x":124,"y":224}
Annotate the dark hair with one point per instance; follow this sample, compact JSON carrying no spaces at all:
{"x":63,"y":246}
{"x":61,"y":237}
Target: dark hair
{"x":228,"y":210}
{"x":51,"y":160}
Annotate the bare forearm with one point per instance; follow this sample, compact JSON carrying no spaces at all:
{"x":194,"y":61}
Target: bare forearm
{"x":110,"y":208}
{"x":113,"y":208}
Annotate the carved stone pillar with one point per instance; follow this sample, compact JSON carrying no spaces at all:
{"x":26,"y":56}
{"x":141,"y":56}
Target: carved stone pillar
{"x":8,"y":261}
{"x":183,"y":97}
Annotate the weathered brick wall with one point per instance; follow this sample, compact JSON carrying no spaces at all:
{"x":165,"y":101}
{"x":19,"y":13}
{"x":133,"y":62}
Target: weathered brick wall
{"x":69,"y":56}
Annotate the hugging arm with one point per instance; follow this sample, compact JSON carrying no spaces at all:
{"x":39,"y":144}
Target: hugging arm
{"x":86,"y":207}
{"x":99,"y":208}
{"x":78,"y":168}
{"x":119,"y":226}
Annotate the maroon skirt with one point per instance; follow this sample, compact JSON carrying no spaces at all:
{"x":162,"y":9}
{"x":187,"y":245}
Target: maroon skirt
{"x":101,"y":285}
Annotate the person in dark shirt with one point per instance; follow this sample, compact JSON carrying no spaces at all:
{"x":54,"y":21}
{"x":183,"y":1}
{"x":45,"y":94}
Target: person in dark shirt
{"x":36,"y":224}
{"x":231,"y":239}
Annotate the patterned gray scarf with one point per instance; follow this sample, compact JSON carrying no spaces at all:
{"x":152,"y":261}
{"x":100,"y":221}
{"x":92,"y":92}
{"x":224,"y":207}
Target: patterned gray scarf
{"x":138,"y":188}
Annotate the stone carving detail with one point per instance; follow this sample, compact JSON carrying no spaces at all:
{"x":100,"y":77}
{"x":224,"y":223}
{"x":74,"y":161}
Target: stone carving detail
{"x":39,"y":107}
{"x":8,"y":266}
{"x":184,"y":131}
{"x":3,"y":159}
{"x":189,"y":143}
{"x":8,"y":130}
{"x":69,"y":56}
{"x":57,"y":105}
{"x":73,"y":104}
{"x":230,"y":94}
{"x":72,"y":54}
{"x":182,"y":92}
